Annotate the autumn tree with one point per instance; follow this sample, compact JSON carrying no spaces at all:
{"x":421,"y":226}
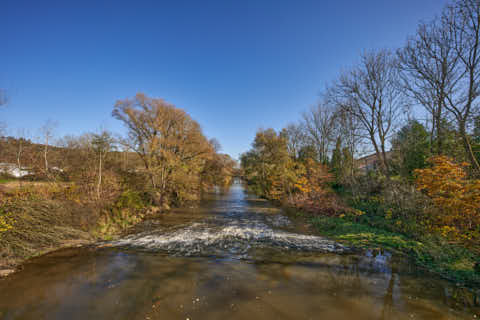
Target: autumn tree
{"x":170,"y":144}
{"x":219,"y":170}
{"x":266,"y":164}
{"x":456,"y":198}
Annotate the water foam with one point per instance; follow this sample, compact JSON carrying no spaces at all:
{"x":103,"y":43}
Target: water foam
{"x":233,"y":238}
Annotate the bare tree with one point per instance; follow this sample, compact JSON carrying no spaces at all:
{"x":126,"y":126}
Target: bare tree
{"x":215,"y":144}
{"x":295,"y":135}
{"x":429,"y":72}
{"x":3,"y":102}
{"x":347,"y":131}
{"x":20,"y":148}
{"x":463,"y":20}
{"x":47,"y":131}
{"x":102,"y":144}
{"x":319,"y":127}
{"x":370,"y":93}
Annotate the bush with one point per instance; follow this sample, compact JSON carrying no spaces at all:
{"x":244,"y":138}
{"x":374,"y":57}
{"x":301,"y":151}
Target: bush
{"x":456,"y":199}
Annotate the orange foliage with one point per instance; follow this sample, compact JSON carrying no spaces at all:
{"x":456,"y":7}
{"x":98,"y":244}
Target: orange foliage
{"x":313,"y":193}
{"x":317,"y":176}
{"x":456,"y":198}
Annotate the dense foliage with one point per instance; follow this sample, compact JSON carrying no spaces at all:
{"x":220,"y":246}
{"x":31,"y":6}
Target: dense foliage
{"x":171,"y":146}
{"x":456,"y":198}
{"x":415,"y":180}
{"x":275,"y":173}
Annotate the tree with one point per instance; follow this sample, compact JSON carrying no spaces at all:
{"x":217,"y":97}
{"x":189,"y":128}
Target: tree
{"x":411,"y":147}
{"x":463,"y":21}
{"x":456,"y":198}
{"x":267,"y":165}
{"x":319,"y":123}
{"x":307,"y":152}
{"x":429,"y":71}
{"x":3,"y":102}
{"x":170,"y":144}
{"x":370,"y":93}
{"x":476,"y":137}
{"x":47,"y":132}
{"x":336,"y":164}
{"x":21,"y":141}
{"x":102,"y":144}
{"x":296,"y":138}
{"x":218,"y":171}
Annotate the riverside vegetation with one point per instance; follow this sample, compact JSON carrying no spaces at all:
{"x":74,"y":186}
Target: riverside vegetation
{"x":418,"y":194}
{"x":95,"y":186}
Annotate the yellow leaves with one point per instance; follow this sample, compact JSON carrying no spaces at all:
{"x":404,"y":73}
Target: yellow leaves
{"x":170,"y":143}
{"x":5,"y":217}
{"x":456,"y":198}
{"x":388,"y":214}
{"x":4,"y":224}
{"x":301,"y":184}
{"x":358,"y":213}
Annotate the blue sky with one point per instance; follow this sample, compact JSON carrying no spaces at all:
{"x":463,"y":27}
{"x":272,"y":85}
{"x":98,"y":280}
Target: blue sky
{"x":234,"y":66}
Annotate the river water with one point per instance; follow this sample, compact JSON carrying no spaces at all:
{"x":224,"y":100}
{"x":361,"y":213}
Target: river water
{"x":234,"y":257}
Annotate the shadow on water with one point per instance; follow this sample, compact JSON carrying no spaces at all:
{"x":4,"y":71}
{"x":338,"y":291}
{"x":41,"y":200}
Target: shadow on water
{"x":268,"y":279}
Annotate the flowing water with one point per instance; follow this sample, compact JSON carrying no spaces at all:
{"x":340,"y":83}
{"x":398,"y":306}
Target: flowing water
{"x":234,"y":257}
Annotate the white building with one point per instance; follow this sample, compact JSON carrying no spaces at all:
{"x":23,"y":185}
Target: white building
{"x":13,"y":170}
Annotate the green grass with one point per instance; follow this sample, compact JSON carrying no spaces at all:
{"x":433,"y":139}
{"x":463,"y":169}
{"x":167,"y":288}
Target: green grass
{"x":433,"y":253}
{"x":362,"y":235}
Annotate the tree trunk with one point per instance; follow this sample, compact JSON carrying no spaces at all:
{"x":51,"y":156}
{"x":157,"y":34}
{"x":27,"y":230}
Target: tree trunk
{"x":45,"y":156}
{"x":378,"y":154}
{"x":99,"y":185}
{"x":19,"y":154}
{"x":468,"y":148}
{"x":438,"y":123}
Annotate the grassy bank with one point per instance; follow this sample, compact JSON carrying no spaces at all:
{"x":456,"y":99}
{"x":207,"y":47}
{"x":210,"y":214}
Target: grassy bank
{"x":36,"y":227}
{"x":37,"y":219}
{"x":433,"y":253}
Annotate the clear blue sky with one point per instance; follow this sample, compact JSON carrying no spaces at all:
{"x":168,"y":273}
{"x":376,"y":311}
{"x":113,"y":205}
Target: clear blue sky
{"x":235,"y":66}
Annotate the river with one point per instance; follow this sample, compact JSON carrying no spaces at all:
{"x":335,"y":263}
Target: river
{"x":233,"y":257}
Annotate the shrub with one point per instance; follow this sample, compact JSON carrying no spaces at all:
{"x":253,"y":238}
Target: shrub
{"x":456,"y":199}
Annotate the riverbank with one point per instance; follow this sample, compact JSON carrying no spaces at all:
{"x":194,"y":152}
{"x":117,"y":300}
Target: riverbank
{"x":433,"y":253}
{"x":35,"y":220}
{"x":38,"y":227}
{"x":364,"y":224}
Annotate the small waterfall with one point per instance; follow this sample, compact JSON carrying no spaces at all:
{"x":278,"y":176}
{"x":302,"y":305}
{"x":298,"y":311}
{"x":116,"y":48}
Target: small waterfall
{"x":232,"y":239}
{"x":230,"y":225}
